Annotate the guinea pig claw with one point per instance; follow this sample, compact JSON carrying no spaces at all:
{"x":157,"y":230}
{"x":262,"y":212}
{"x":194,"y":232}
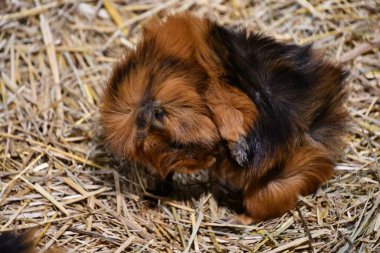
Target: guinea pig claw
{"x":239,"y":150}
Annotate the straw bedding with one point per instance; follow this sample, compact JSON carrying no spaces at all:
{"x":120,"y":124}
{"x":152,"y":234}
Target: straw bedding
{"x":57,"y":177}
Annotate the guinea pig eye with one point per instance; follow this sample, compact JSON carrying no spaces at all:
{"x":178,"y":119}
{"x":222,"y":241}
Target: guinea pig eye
{"x":159,"y":115}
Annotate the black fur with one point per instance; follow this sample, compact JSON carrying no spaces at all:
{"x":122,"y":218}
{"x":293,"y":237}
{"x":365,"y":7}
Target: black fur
{"x":11,"y":242}
{"x":282,"y":80}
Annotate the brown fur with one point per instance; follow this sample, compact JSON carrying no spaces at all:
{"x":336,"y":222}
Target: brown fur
{"x":308,"y":168}
{"x":168,"y":105}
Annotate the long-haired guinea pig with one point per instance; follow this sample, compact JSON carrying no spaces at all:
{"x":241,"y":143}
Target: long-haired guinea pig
{"x":266,"y":118}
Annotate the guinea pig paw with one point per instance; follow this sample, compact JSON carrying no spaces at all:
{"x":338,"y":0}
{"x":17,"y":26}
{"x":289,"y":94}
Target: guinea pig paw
{"x":240,"y":219}
{"x":239,"y":150}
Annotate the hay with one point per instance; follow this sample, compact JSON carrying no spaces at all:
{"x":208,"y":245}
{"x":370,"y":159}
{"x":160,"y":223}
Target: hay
{"x":57,"y":177}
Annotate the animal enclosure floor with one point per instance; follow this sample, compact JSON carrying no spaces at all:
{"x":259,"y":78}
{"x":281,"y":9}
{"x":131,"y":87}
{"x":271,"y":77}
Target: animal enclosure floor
{"x":57,"y":177}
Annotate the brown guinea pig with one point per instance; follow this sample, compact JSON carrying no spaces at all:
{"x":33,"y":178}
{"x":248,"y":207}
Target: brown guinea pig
{"x":266,"y":118}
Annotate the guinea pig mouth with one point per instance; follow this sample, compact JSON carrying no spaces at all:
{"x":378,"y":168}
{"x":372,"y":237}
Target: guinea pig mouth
{"x":184,"y":158}
{"x":185,"y":164}
{"x":190,"y":150}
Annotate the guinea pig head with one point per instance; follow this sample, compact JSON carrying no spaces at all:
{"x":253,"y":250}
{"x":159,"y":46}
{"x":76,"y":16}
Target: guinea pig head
{"x":153,"y":111}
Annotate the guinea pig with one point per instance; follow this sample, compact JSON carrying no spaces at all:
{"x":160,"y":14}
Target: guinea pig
{"x":266,"y":118}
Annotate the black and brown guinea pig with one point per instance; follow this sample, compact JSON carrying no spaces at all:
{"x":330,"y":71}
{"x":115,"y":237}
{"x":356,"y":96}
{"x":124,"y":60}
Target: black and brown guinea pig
{"x":266,"y":118}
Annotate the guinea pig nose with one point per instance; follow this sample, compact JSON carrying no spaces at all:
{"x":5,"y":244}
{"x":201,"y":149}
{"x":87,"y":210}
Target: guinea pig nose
{"x":145,"y":115}
{"x":150,"y":115}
